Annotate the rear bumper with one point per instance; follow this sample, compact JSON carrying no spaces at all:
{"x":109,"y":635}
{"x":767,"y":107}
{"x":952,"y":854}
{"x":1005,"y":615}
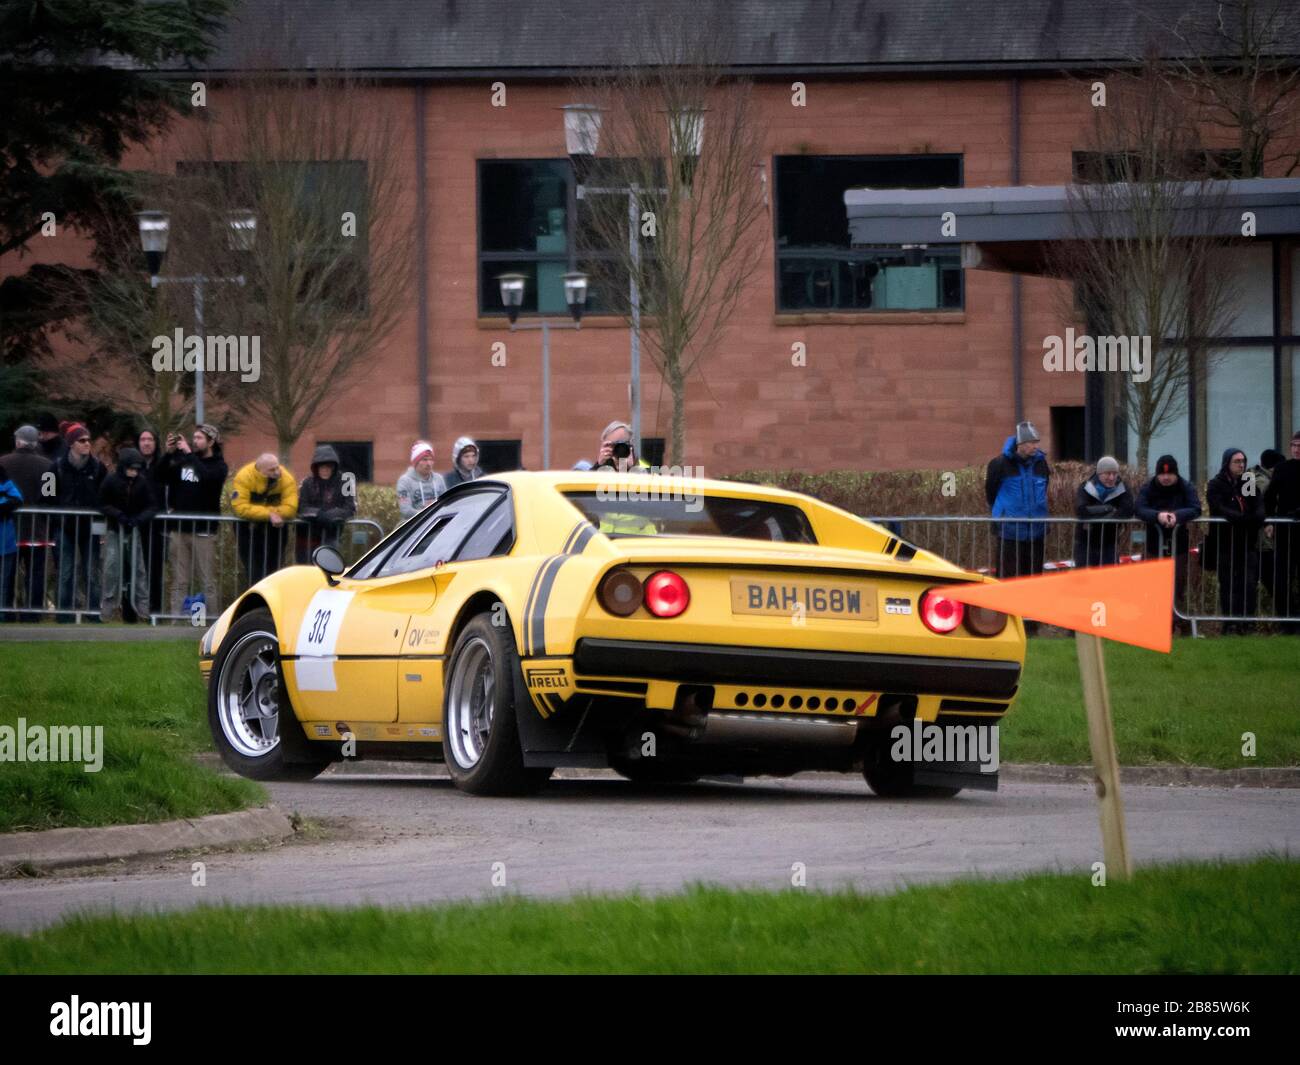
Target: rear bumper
{"x":722,"y":664}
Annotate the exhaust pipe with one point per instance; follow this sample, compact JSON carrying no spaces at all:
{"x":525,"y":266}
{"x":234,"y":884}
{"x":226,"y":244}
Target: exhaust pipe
{"x":735,"y":728}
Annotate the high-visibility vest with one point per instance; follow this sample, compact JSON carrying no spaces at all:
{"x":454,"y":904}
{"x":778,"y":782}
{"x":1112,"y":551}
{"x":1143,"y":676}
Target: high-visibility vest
{"x":627,"y":523}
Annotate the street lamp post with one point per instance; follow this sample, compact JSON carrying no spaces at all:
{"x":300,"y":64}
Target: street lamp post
{"x":581,"y":139}
{"x":575,"y":295}
{"x":155,"y":228}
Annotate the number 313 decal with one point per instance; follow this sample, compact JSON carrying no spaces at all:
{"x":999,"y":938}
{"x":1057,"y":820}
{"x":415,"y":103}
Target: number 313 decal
{"x":317,"y":637}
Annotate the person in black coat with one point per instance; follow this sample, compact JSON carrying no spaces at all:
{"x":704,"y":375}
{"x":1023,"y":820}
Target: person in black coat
{"x":1103,"y":495}
{"x":1167,"y":503}
{"x":324,"y":504}
{"x":155,"y":550}
{"x":195,"y":479}
{"x":1232,"y":549}
{"x":52,"y":444}
{"x":78,"y":475}
{"x":128,"y":501}
{"x":1282,"y":500}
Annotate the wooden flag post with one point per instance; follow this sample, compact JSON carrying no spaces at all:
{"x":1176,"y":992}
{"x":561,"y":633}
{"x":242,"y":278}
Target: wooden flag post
{"x":1105,"y":758}
{"x":1130,"y":604}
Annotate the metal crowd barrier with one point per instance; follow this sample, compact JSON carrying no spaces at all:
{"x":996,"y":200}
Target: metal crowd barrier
{"x":159,"y":572}
{"x":1233,"y":577}
{"x":184,"y":568}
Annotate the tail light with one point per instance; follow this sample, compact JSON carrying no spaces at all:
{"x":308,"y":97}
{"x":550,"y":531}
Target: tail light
{"x":985,"y":622}
{"x":939,"y":613}
{"x":666,"y":594}
{"x":620,"y":593}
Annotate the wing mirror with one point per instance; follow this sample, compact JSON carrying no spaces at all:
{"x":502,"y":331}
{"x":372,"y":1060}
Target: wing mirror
{"x":330,"y":562}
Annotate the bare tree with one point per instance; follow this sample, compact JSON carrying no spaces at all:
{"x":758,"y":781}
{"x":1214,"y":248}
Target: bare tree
{"x":1241,"y":69}
{"x":117,"y":317}
{"x":683,"y":135}
{"x":1143,"y":254}
{"x":318,"y":162}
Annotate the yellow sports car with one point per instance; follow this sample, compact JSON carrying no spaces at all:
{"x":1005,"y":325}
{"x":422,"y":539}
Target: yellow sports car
{"x":669,"y":628}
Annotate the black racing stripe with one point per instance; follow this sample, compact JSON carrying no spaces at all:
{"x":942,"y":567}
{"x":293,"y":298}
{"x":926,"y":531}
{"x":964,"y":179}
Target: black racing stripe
{"x":584,"y":538}
{"x":528,"y":604}
{"x":890,"y":544}
{"x":535,"y":613}
{"x":537,"y":617}
{"x":568,"y":540}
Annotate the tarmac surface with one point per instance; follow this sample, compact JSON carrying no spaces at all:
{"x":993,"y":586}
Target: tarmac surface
{"x":405,"y":840}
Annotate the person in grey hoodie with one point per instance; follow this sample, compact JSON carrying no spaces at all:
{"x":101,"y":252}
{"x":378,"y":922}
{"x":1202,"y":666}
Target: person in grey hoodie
{"x":419,"y":485}
{"x":464,"y":463}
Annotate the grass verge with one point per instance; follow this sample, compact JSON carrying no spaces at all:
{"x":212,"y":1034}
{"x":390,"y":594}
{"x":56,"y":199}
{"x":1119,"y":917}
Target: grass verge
{"x":1191,"y":918}
{"x":1189,"y":707}
{"x":150,"y":701}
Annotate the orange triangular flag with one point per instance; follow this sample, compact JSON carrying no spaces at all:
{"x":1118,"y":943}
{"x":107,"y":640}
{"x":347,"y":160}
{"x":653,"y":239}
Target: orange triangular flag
{"x":1131,"y":603}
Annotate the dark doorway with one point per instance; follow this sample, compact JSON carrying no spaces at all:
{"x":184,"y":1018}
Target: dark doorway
{"x":1067,"y":434}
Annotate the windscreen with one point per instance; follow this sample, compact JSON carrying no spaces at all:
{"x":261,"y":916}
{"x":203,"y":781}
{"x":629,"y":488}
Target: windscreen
{"x":645,"y":512}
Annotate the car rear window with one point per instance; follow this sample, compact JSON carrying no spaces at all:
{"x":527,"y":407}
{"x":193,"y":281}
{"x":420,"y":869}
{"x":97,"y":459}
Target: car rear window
{"x":646,"y":512}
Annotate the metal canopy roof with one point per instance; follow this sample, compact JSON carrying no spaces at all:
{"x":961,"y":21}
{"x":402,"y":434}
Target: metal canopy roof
{"x":1006,"y":227}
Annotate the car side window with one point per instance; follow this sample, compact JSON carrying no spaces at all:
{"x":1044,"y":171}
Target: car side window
{"x":439,"y":540}
{"x":494,"y":534}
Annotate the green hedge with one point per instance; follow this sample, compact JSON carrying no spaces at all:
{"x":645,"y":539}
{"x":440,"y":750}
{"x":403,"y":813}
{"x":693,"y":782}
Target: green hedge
{"x":922,"y":492}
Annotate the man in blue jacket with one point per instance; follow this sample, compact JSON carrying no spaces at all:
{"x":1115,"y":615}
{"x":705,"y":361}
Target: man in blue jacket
{"x":10,"y":500}
{"x":1016,"y":487}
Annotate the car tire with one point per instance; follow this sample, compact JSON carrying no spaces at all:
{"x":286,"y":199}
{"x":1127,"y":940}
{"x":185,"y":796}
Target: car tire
{"x":893,"y":780}
{"x":651,"y":771}
{"x":482,"y":693}
{"x":248,"y":705}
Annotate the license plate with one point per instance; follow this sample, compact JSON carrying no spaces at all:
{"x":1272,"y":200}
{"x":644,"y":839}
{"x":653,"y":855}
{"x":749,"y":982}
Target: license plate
{"x":843,"y":600}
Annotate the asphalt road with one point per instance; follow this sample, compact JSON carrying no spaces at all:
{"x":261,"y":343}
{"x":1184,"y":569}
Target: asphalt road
{"x":401,"y":841}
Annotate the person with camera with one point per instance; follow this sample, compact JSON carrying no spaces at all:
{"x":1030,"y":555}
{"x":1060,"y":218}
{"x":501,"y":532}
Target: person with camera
{"x":617,"y":451}
{"x":194,"y":478}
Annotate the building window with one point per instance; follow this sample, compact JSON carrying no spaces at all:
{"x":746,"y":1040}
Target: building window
{"x":817,"y":270}
{"x":527,"y":226}
{"x":355,"y":457}
{"x":499,"y":456}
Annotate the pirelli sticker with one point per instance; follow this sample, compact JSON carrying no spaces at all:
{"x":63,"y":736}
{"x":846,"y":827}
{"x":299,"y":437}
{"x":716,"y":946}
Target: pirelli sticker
{"x":550,"y":686}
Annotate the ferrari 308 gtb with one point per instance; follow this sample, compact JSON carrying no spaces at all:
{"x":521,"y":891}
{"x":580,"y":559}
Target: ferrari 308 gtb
{"x":668,"y":628}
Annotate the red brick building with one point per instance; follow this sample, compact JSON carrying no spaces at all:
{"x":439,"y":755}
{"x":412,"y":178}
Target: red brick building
{"x":920,"y":365}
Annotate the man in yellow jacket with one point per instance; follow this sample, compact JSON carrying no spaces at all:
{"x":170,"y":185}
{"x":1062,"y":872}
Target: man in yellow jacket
{"x":265,"y":495}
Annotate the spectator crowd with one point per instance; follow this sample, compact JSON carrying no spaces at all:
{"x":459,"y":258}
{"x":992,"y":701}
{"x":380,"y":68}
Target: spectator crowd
{"x":110,"y":524}
{"x":1244,"y":549}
